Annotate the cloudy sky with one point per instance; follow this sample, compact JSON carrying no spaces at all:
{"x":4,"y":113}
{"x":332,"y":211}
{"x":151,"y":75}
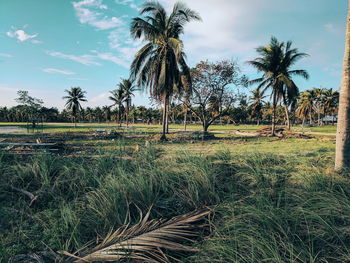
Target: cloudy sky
{"x":47,"y":46}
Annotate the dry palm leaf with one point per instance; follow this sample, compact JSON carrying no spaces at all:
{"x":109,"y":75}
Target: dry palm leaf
{"x":29,"y":194}
{"x":144,"y":241}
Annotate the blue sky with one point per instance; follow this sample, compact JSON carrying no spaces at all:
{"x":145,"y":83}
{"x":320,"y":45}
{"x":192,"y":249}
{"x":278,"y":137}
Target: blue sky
{"x":47,"y":46}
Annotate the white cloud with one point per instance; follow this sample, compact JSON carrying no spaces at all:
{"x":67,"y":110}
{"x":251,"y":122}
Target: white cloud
{"x":34,"y":41}
{"x":110,"y":57}
{"x":20,"y":34}
{"x":333,"y":29}
{"x":86,"y":11}
{"x":53,"y":70}
{"x":227,"y":29}
{"x":5,"y":55}
{"x":103,"y":97}
{"x":130,"y":3}
{"x":87,"y":60}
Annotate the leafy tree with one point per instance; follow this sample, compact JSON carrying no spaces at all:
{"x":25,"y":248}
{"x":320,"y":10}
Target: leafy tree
{"x":275,"y":62}
{"x":212,"y":93}
{"x":74,"y":96}
{"x":159,"y":65}
{"x":29,"y":106}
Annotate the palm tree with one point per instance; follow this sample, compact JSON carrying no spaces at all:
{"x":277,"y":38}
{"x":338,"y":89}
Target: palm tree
{"x":89,"y":114}
{"x":275,"y":63}
{"x":107,"y":113}
{"x":74,"y":96}
{"x":342,"y":156}
{"x":306,"y":105}
{"x":256,"y":104}
{"x":128,"y":90}
{"x":330,"y":102}
{"x":318,"y":102}
{"x":117,"y":97}
{"x":160,"y":64}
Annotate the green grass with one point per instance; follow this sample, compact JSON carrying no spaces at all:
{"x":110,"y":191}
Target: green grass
{"x":275,"y":200}
{"x":153,"y":128}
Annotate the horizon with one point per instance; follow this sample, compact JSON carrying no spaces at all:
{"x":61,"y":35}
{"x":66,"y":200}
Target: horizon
{"x":48,"y":47}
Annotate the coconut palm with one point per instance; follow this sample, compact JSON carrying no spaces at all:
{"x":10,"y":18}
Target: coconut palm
{"x":107,"y":113}
{"x":342,"y":157}
{"x":128,"y":91}
{"x":275,"y":63}
{"x":117,"y":97}
{"x":318,"y":102}
{"x":256,"y":104}
{"x":306,"y":105}
{"x":160,"y":65}
{"x":74,"y":96}
{"x":330,"y":101}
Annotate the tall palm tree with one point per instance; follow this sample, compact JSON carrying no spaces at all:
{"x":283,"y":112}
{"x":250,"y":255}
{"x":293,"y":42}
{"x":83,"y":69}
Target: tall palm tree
{"x":342,"y":156}
{"x":128,"y":91}
{"x":117,"y":97}
{"x":160,"y":64}
{"x":74,"y":96}
{"x":275,"y":62}
{"x":256,"y":104}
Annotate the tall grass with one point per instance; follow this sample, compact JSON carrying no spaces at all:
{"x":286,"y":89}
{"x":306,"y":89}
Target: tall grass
{"x":269,"y":208}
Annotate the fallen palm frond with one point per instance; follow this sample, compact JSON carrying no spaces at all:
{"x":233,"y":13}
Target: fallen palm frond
{"x":40,"y":257}
{"x":145,"y":240}
{"x":32,"y":197}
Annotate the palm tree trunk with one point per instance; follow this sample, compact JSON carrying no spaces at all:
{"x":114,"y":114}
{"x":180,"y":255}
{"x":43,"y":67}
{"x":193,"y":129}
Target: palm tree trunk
{"x":127,"y":114}
{"x":287,"y":117}
{"x":165,"y":102}
{"x":167,"y":116}
{"x":273,"y":114}
{"x":342,"y":156}
{"x":185,"y":119}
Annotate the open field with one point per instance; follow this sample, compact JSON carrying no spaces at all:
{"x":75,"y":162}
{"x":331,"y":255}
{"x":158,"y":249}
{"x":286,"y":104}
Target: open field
{"x":84,"y":127}
{"x":273,"y":199}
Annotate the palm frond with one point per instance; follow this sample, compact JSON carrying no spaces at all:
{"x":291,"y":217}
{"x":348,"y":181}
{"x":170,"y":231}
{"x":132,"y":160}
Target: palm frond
{"x":145,"y":240}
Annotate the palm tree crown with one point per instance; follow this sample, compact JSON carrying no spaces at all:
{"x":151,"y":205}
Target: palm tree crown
{"x":74,"y":96}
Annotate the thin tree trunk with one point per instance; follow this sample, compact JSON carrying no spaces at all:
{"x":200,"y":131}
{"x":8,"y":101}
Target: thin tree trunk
{"x":165,"y":101}
{"x":167,"y":116}
{"x":342,"y":156}
{"x":185,"y":118}
{"x":273,"y":114}
{"x":127,"y":114}
{"x":310,"y":116}
{"x":287,"y":117}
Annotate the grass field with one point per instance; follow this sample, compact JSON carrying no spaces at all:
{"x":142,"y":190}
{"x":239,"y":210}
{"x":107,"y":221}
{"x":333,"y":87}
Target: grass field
{"x":83,"y":127}
{"x":274,"y":200}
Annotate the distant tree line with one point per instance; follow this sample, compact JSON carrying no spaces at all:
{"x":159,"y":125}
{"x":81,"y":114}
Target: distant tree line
{"x":311,"y":108}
